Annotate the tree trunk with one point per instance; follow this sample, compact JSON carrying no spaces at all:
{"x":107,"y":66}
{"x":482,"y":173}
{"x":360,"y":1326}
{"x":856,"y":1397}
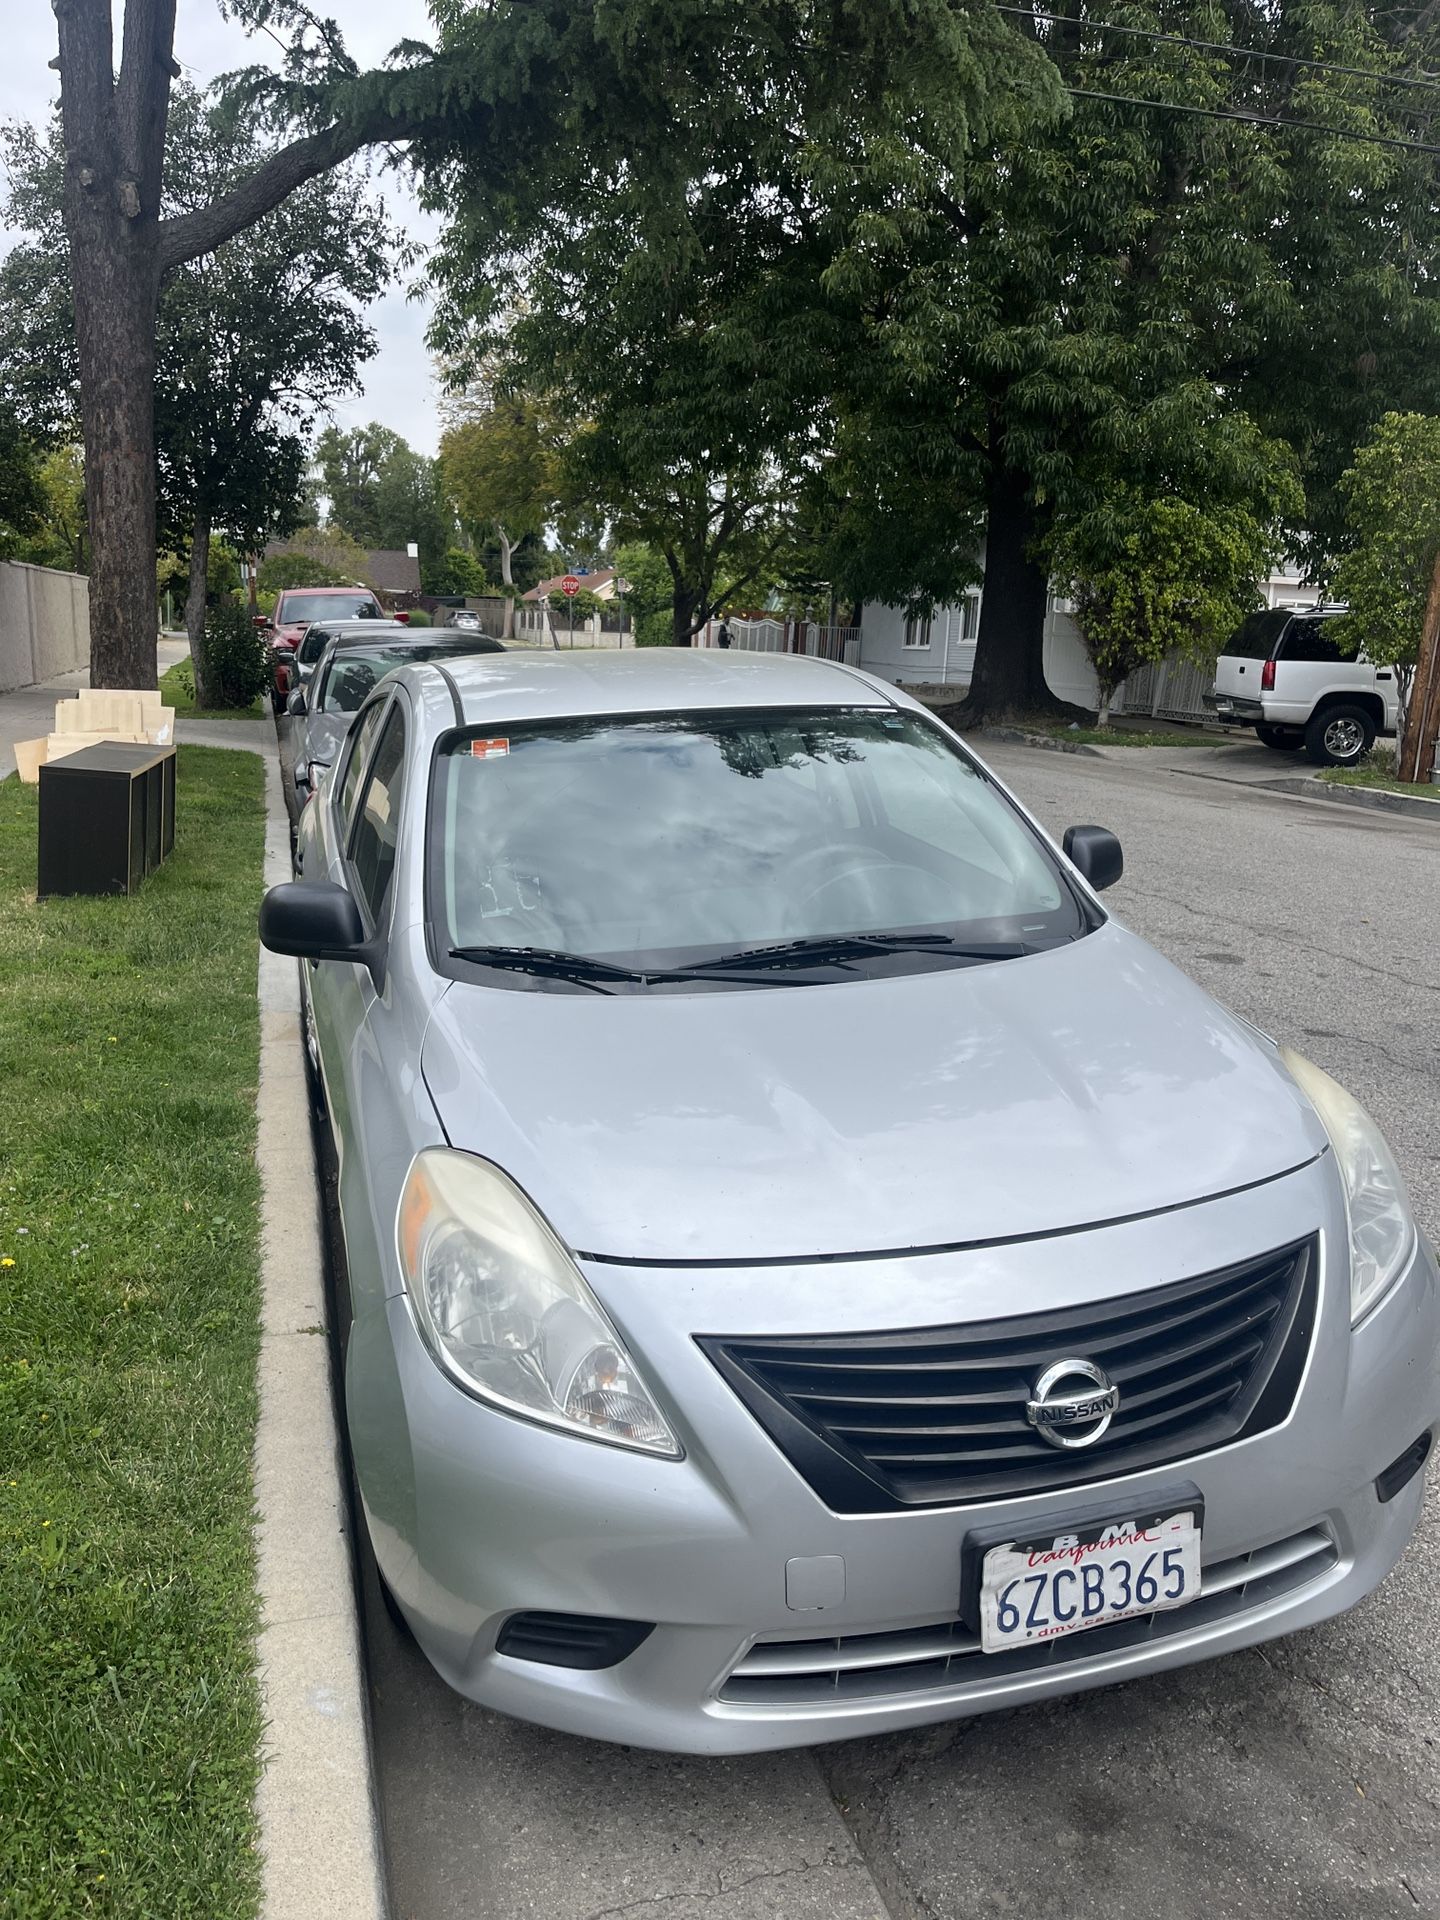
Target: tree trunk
{"x":682,"y":616}
{"x":205,"y":694}
{"x":1008,"y":682}
{"x":506,"y":550}
{"x":1422,"y":717}
{"x":114,"y":139}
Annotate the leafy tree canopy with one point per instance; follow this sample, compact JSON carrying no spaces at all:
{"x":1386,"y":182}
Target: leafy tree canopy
{"x":1392,"y":500}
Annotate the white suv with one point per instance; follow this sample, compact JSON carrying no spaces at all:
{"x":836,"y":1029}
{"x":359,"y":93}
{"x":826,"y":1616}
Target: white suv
{"x":1283,"y":674}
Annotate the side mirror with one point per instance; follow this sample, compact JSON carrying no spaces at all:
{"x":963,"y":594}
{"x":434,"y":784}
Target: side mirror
{"x":297,"y":704}
{"x":1096,"y":853}
{"x":314,"y":920}
{"x":302,"y":774}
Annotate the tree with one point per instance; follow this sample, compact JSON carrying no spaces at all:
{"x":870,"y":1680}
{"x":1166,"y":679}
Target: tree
{"x":384,"y":495}
{"x":516,"y":98}
{"x":62,"y":538}
{"x":21,"y":492}
{"x":1392,"y":499}
{"x":1169,"y":560}
{"x":315,"y":557}
{"x":498,"y":467}
{"x":1029,"y":313}
{"x":251,"y":341}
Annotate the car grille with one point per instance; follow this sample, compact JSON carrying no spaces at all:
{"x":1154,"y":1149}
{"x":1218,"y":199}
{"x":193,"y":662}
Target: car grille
{"x":936,"y":1416}
{"x":859,"y":1666}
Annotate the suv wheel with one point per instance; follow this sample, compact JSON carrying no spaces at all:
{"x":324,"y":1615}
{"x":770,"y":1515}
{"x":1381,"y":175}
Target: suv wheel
{"x":1282,"y":739}
{"x":1338,"y":736}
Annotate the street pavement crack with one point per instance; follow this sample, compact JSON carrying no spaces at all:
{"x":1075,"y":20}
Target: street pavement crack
{"x":723,"y":1888}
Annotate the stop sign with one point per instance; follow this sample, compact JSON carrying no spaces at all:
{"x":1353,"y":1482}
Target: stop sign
{"x":569,"y":586}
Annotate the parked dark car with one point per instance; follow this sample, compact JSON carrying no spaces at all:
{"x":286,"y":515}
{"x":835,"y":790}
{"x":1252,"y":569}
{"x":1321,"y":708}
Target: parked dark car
{"x":346,"y":674}
{"x":295,"y":608}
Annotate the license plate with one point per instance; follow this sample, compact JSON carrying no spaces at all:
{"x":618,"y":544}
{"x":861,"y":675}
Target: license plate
{"x":1043,"y":1589}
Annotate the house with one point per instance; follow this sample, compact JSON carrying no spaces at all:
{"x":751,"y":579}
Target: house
{"x":604,"y":583}
{"x":393,"y":572}
{"x":911,"y":650}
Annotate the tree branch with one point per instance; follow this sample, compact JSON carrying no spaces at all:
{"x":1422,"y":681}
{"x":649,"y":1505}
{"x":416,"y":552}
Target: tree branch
{"x":189,"y":235}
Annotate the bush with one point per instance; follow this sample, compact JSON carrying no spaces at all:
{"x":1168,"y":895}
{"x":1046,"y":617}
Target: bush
{"x":235,"y":663}
{"x":418,"y":618}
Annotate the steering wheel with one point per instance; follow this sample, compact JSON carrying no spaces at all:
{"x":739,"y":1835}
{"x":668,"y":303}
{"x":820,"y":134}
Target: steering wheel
{"x":805,"y":883}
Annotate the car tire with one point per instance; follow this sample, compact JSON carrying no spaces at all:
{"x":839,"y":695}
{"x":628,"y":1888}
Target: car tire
{"x":1280,"y":739}
{"x":1339,"y":735}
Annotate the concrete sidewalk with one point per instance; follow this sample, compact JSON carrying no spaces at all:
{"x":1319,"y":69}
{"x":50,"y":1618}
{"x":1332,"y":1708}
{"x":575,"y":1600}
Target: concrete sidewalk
{"x":30,"y":711}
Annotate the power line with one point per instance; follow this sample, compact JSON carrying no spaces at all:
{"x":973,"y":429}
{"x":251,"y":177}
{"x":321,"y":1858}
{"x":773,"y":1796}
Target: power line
{"x":1258,"y":120}
{"x":1222,"y":46}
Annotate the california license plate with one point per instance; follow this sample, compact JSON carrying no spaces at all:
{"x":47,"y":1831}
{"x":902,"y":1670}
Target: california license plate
{"x":1043,"y":1589}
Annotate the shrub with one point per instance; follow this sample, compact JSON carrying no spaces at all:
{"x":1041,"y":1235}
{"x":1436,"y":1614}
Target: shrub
{"x":234,"y":668}
{"x":419,"y":617}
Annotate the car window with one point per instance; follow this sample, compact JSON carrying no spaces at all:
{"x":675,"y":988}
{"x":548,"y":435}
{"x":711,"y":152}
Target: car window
{"x":375,"y":840}
{"x":361,"y":736}
{"x":312,"y":644}
{"x":1255,"y":637}
{"x":1309,"y":640}
{"x":350,"y":682}
{"x":295,"y":607}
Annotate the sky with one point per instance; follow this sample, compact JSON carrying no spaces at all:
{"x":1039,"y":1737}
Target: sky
{"x":398,"y":388}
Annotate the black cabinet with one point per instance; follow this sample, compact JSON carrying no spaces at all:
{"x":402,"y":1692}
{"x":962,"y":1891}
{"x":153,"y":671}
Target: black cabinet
{"x":107,"y":818}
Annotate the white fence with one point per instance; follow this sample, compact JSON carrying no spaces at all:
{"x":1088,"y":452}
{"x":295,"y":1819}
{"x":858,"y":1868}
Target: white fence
{"x":1169,"y":690}
{"x":787,"y":636}
{"x":44,"y":624}
{"x":591,"y":631}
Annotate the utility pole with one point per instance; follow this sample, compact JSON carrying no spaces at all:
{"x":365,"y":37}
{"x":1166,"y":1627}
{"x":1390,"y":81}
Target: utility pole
{"x":1422,"y":717}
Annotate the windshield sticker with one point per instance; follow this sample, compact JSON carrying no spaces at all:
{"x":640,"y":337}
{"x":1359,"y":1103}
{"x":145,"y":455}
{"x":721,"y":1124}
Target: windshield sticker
{"x":488,"y":749}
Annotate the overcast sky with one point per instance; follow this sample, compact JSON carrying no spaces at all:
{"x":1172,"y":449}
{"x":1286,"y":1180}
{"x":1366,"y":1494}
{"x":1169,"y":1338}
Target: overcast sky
{"x":398,"y":388}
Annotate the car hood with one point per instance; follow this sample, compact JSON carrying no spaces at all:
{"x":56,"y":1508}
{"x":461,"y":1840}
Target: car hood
{"x":1092,"y":1082}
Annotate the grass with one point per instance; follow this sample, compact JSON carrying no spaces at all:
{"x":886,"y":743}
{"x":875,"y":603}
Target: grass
{"x":130,"y":1722}
{"x":1382,"y":776}
{"x":1128,"y":737}
{"x":177,"y":685}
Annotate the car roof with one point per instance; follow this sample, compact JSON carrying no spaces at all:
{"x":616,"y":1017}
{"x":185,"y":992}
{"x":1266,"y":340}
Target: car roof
{"x":432,"y":641}
{"x":535,"y":683}
{"x":347,"y":591}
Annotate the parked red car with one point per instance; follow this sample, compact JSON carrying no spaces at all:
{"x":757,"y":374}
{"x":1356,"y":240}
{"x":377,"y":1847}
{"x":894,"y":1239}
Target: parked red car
{"x":295,"y":608}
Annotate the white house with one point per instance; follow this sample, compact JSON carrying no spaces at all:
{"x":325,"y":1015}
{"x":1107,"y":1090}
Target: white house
{"x":913,"y":651}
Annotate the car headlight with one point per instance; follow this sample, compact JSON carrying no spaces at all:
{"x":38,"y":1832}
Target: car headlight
{"x":506,"y":1312}
{"x":1382,"y":1229}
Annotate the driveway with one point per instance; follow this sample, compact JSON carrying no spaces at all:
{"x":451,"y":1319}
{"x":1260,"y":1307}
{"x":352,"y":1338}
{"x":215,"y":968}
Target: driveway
{"x":1299,"y":1781}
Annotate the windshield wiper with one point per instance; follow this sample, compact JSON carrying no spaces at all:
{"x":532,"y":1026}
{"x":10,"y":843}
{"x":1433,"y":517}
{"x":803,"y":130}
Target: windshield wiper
{"x":837,"y":949}
{"x":551,"y":964}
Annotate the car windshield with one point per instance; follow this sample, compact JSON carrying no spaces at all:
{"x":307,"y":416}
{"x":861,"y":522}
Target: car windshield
{"x":702,"y":838}
{"x":295,"y":607}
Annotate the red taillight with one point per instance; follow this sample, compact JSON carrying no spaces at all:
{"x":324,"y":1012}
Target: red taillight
{"x":1267,"y":677}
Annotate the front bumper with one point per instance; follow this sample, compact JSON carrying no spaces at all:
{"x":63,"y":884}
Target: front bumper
{"x":476,"y":1516}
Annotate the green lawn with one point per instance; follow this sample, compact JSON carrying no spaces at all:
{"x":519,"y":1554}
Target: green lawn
{"x":1379,"y":777}
{"x":129,"y":1312}
{"x":177,"y":685}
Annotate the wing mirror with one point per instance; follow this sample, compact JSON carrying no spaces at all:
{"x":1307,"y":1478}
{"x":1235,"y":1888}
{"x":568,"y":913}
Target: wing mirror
{"x":1095,"y":852}
{"x":297,"y":704}
{"x":315,"y":920}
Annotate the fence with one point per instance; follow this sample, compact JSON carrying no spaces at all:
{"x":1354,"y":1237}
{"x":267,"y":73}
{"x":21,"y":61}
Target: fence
{"x":787,"y":636}
{"x":1169,"y":690}
{"x":44,"y":624}
{"x":590,"y":630}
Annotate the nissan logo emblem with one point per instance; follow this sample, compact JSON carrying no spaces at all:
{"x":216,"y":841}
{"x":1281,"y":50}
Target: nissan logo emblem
{"x":1073,"y":1403}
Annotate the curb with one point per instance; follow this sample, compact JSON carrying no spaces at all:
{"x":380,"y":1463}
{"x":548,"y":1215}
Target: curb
{"x":319,"y":1834}
{"x":1376,"y":799}
{"x":1047,"y":743}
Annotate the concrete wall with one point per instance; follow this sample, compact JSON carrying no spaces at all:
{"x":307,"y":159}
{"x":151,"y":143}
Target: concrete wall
{"x":44,"y":624}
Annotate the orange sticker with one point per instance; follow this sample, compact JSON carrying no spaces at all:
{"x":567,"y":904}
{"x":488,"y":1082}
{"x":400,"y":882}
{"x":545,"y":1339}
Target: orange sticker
{"x":485,"y":749}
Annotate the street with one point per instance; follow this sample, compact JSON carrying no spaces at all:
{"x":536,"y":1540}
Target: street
{"x":1296,"y":1781}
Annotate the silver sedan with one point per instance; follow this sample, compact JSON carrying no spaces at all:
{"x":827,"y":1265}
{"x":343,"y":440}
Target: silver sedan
{"x":813,"y":1271}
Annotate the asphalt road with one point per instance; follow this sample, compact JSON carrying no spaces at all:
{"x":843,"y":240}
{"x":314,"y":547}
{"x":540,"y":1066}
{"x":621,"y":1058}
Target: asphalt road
{"x":1299,"y":1782}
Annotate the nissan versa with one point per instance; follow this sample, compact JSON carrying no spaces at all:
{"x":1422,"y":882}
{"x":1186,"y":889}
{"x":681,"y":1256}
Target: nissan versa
{"x":811,"y":1270}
